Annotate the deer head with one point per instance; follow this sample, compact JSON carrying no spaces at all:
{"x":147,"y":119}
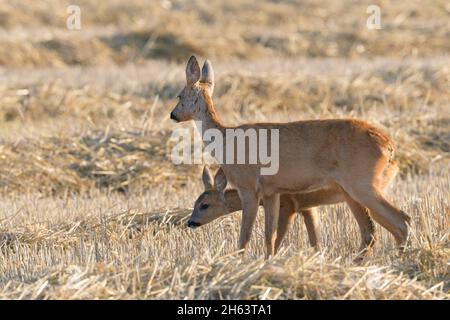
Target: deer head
{"x":211,"y":204}
{"x":199,"y":86}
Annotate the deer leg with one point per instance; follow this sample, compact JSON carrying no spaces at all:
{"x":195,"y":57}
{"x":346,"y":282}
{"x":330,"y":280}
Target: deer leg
{"x":366,"y":226}
{"x":271,"y":214}
{"x":250,"y":205}
{"x":287,"y":215}
{"x":312,"y":226}
{"x":391,"y":218}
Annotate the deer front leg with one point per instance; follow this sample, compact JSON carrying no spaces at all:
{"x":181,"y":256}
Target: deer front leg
{"x":312,"y":226}
{"x":250,"y":204}
{"x":271,"y":213}
{"x":286,"y":217}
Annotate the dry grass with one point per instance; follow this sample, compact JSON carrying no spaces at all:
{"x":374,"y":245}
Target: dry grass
{"x":118,"y":32}
{"x":91,"y":205}
{"x":115,"y":247}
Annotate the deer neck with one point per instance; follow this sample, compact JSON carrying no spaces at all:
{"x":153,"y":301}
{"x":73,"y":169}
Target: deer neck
{"x":233,"y":200}
{"x":209,"y":119}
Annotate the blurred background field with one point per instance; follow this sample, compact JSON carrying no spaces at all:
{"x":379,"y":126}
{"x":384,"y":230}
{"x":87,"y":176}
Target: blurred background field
{"x":91,"y":205}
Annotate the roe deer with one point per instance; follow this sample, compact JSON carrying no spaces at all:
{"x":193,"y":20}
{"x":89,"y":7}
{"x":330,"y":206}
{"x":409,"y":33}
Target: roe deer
{"x":215,"y":202}
{"x":314,"y":154}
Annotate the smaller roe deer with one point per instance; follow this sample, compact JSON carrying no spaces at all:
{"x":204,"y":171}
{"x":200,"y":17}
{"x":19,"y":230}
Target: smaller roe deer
{"x":216,"y":202}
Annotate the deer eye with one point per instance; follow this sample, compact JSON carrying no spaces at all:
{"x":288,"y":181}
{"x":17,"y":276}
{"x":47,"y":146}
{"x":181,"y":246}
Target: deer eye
{"x":204,"y":206}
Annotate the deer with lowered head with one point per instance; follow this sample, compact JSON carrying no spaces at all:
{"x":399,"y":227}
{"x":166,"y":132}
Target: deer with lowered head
{"x":216,"y":201}
{"x":347,"y":154}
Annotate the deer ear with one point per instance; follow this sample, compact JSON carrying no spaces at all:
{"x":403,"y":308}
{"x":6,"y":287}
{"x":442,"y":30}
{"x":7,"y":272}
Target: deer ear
{"x":220,"y":181}
{"x":192,"y":71}
{"x":208,"y":75}
{"x":207,"y":179}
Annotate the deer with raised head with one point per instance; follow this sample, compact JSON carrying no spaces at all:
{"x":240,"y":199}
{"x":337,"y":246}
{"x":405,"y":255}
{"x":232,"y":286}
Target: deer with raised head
{"x":216,"y":201}
{"x":348,"y":154}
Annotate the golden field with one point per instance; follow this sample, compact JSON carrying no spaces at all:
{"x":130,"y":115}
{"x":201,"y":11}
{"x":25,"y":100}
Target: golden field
{"x":91,"y":205}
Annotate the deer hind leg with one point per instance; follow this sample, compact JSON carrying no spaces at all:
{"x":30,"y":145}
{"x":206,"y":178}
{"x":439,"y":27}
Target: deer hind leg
{"x":271,"y":214}
{"x":286,"y":217}
{"x":312,"y":226}
{"x":391,"y":218}
{"x":366,"y":226}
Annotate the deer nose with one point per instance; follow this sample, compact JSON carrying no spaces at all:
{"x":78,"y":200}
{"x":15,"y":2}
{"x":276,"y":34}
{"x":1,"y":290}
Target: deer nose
{"x":173,"y":116}
{"x":192,"y":224}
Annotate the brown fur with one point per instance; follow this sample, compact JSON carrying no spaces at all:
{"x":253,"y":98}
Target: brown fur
{"x":314,"y":155}
{"x":303,"y":203}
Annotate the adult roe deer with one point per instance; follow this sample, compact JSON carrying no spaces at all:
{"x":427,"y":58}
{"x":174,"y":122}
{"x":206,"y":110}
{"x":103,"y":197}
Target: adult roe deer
{"x":314,"y":154}
{"x":215,"y":202}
